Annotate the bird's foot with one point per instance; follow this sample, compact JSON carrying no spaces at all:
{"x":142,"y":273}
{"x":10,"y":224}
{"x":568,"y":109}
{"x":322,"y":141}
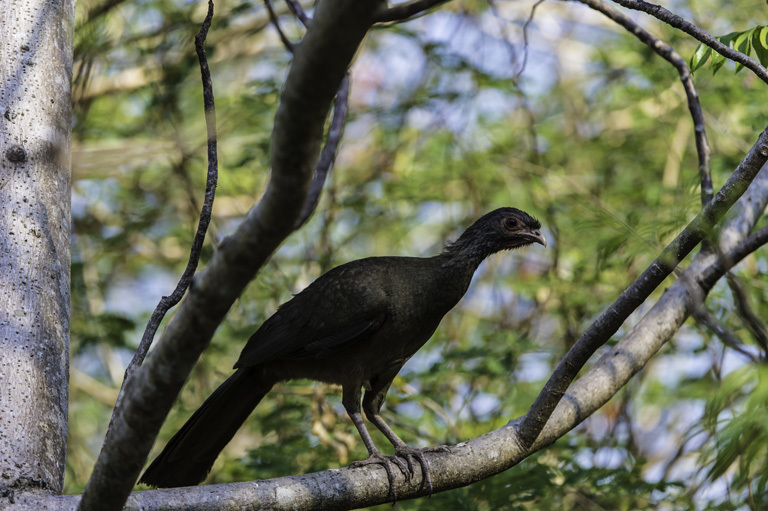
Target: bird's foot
{"x":376,"y":458}
{"x":411,"y":453}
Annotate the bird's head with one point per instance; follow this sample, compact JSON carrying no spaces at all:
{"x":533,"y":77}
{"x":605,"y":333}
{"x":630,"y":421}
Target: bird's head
{"x":501,"y":229}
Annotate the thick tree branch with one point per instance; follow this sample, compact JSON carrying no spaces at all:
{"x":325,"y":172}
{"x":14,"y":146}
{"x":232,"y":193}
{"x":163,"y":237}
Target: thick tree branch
{"x":403,"y":12}
{"x":669,"y":54}
{"x":689,"y":28}
{"x":317,"y":69}
{"x":612,"y":318}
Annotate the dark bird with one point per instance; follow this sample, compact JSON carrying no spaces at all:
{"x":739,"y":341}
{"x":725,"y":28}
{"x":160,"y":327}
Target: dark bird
{"x":354,"y":326}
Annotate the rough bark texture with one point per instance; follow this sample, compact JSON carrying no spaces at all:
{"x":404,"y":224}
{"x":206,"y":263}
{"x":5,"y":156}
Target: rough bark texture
{"x":35,"y":117}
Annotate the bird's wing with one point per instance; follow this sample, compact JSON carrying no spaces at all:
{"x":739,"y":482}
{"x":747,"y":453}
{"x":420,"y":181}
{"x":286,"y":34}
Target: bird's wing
{"x":338,"y":310}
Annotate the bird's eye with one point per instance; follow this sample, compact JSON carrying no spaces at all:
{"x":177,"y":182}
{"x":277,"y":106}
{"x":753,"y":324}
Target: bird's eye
{"x":510,"y":223}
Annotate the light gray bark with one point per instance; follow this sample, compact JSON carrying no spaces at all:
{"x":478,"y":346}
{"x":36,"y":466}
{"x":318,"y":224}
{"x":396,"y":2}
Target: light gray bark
{"x":35,"y":120}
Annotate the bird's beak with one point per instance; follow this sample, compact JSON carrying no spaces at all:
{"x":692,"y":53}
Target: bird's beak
{"x":537,"y":237}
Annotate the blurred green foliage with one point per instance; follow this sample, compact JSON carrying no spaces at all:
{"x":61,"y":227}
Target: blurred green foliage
{"x":593,"y":137}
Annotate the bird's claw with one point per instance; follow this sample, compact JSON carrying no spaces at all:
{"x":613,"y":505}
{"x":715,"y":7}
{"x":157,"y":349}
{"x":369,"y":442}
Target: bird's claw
{"x":376,"y":458}
{"x":408,"y":454}
{"x":403,"y":459}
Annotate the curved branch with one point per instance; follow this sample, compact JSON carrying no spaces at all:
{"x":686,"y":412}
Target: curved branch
{"x":166,"y":302}
{"x":689,"y":28}
{"x":669,"y":54}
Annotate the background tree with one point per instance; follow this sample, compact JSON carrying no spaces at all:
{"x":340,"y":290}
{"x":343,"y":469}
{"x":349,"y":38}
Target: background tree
{"x":550,"y":107}
{"x":36,"y":77}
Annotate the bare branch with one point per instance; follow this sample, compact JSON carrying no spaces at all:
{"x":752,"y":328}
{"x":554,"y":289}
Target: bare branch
{"x":295,"y":6}
{"x":328,"y":155}
{"x":404,"y":12}
{"x":753,"y":322}
{"x":728,"y":338}
{"x":669,"y":54}
{"x":612,"y":318}
{"x":689,"y":28}
{"x":273,"y":18}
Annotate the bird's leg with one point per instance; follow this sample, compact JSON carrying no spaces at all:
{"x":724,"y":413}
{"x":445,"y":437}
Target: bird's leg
{"x":372,"y":403}
{"x":351,"y":402}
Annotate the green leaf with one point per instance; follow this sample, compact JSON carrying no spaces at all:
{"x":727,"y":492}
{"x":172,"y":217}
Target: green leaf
{"x":717,"y":59}
{"x":742,"y":44}
{"x":700,"y":56}
{"x":760,"y":44}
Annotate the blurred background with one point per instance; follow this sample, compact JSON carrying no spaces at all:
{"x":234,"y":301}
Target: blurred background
{"x":545,"y":106}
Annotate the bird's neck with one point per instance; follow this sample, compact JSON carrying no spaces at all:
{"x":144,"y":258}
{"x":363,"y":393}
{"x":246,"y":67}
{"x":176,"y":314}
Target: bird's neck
{"x":464,"y":255}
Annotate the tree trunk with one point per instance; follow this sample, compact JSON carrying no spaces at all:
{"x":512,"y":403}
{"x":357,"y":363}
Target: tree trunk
{"x":35,"y":127}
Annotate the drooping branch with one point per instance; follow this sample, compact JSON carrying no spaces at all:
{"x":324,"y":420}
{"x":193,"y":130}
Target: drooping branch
{"x":317,"y":69}
{"x":669,"y":54}
{"x":702,"y":36}
{"x":614,"y":316}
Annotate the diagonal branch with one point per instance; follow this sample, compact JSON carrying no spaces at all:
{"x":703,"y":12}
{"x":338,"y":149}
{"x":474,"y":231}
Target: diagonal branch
{"x":612,"y":318}
{"x":689,"y":28}
{"x":276,"y":22}
{"x":318,"y":67}
{"x":328,"y":154}
{"x":669,"y":54}
{"x":404,"y":12}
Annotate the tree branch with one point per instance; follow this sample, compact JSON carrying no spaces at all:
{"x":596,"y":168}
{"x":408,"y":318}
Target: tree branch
{"x":166,"y":302}
{"x":669,"y":54}
{"x":403,"y":12}
{"x":728,"y":338}
{"x":317,"y":69}
{"x":273,"y":18}
{"x":328,"y":154}
{"x":689,"y":28}
{"x":612,"y":318}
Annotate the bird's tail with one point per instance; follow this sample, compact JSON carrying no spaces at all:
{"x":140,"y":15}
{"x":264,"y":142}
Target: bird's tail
{"x":189,"y":455}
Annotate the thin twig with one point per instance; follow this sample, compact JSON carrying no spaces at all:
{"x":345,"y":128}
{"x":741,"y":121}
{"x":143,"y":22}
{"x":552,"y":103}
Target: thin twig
{"x":295,"y":6}
{"x":703,"y":316}
{"x":273,"y":17}
{"x":525,"y":40}
{"x":689,"y":28}
{"x":668,"y":53}
{"x":753,"y":322}
{"x":328,"y":154}
{"x":166,"y":302}
{"x":614,"y":316}
{"x":404,"y":12}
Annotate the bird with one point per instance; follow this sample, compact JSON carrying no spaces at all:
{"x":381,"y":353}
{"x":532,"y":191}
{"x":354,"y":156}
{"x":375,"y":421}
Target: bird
{"x":354,"y":326}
